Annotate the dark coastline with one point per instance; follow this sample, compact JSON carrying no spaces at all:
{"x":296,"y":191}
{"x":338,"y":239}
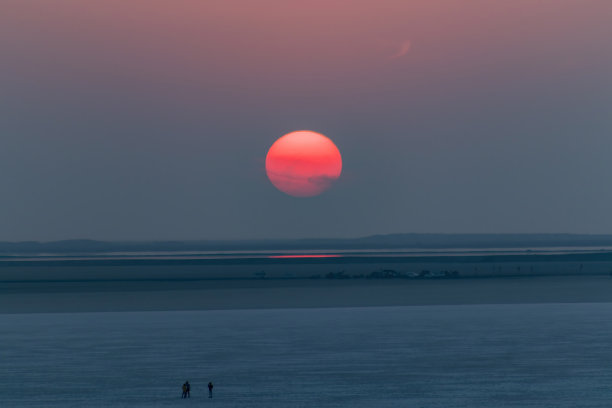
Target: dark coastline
{"x":343,"y":259}
{"x":341,"y":266}
{"x":252,"y":280}
{"x":402,"y":241}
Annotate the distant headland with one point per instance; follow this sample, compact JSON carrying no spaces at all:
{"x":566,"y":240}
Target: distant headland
{"x":386,"y":241}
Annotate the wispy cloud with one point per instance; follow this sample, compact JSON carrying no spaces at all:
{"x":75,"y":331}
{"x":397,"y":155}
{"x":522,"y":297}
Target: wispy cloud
{"x":403,"y":50}
{"x":323,"y":181}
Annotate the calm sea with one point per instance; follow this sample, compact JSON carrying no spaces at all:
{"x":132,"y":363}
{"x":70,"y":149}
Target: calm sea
{"x":545,"y":355}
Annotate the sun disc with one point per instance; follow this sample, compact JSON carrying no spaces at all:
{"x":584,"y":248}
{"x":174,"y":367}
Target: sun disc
{"x":303,"y":163}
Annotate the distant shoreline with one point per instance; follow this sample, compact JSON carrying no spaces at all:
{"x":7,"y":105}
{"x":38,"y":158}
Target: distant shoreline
{"x":384,"y":241}
{"x":345,"y":266}
{"x":37,"y":284}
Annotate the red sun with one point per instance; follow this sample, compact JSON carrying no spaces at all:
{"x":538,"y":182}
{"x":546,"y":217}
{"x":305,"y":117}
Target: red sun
{"x":303,"y":163}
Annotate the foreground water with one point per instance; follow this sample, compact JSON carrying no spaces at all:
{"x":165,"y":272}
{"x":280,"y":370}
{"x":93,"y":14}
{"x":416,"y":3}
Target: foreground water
{"x":545,"y":355}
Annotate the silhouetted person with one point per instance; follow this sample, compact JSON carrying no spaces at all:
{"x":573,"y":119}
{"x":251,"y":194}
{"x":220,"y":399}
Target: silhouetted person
{"x":188,"y":389}
{"x":184,"y":388}
{"x":210,"y":387}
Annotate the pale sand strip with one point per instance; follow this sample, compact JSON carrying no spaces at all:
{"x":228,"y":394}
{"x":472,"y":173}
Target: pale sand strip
{"x":295,"y":293}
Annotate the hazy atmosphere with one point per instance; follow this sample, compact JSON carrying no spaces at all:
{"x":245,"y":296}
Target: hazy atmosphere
{"x":152,"y":119}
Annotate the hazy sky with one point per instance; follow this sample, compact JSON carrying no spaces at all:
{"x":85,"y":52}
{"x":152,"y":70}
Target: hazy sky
{"x":151,"y":119}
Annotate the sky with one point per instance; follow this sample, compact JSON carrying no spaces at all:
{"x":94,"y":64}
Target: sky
{"x":151,"y":120}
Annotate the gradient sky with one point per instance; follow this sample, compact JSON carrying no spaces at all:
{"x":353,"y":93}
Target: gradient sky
{"x":151,"y":119}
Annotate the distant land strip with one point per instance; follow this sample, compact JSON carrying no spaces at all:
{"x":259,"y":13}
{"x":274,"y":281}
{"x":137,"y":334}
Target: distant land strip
{"x":604,"y":256}
{"x":342,"y":267}
{"x":388,"y":241}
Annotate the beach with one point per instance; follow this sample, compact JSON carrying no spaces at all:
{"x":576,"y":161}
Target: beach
{"x":87,"y":334}
{"x":462,"y":356}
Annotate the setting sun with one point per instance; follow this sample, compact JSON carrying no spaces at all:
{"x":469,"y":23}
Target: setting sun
{"x":303,"y":163}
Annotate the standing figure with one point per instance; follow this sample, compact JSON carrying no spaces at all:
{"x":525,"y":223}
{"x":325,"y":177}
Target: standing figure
{"x":184,"y":388}
{"x":210,"y":387}
{"x":188,"y":388}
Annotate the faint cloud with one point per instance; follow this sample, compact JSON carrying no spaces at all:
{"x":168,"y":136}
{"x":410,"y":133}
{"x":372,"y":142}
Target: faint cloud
{"x":322,"y":181}
{"x":403,"y":50}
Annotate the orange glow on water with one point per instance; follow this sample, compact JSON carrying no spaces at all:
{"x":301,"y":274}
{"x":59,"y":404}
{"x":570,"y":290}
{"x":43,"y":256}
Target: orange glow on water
{"x":303,"y":163}
{"x":304,"y":256}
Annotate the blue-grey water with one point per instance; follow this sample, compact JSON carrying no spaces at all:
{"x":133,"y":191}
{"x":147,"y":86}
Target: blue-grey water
{"x":544,"y":355}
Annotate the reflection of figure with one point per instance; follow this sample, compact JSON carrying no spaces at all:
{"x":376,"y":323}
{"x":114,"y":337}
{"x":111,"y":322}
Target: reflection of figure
{"x":210,"y":387}
{"x":184,"y":394}
{"x":188,"y":389}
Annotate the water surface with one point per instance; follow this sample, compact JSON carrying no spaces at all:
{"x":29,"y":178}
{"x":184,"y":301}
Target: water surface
{"x":545,"y":355}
